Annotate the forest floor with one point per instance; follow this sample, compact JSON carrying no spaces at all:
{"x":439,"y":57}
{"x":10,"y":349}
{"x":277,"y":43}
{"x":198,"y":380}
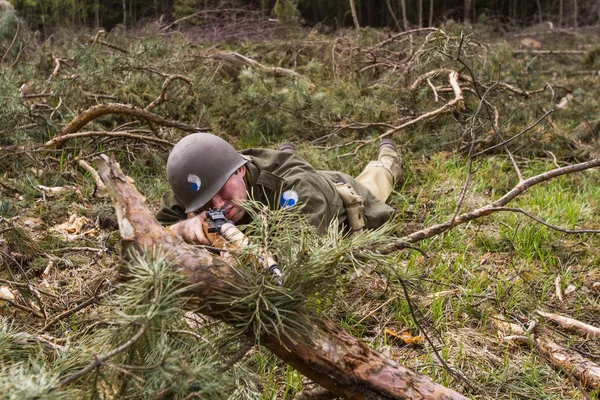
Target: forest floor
{"x":476,"y":295}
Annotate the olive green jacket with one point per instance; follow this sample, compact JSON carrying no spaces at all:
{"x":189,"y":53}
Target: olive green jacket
{"x":279,"y":179}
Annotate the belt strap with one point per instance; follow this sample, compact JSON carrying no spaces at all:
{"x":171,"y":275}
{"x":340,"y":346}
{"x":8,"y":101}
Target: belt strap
{"x":353,"y":203}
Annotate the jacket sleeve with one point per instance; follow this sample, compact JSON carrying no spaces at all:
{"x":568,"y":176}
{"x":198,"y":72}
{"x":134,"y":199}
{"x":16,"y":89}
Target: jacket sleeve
{"x":171,"y":211}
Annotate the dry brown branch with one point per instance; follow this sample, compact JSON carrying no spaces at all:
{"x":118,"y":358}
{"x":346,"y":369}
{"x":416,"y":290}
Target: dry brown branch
{"x":550,"y":52}
{"x":396,"y":36}
{"x":23,"y":308}
{"x":203,"y":12}
{"x":328,"y":356}
{"x":100,"y":360}
{"x":114,"y":108}
{"x":93,"y":173}
{"x":572,"y":325}
{"x":558,"y":288}
{"x":98,"y":36}
{"x":505,"y":142}
{"x":56,"y":66}
{"x":455,"y":104}
{"x":112,"y":46}
{"x":488,"y":209}
{"x":435,"y":95}
{"x":163,"y":93}
{"x":88,"y":302}
{"x":586,"y":371}
{"x":431,"y":74}
{"x":125,"y":134}
{"x":556,"y":228}
{"x":240,"y":60}
{"x":354,"y":16}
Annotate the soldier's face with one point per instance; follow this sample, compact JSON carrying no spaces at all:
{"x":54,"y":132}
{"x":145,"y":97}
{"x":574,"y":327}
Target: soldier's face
{"x":231,"y":196}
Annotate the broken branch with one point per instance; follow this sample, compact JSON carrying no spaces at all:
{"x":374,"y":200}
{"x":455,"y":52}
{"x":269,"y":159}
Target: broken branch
{"x":114,"y":108}
{"x":572,"y":325}
{"x":488,"y":209}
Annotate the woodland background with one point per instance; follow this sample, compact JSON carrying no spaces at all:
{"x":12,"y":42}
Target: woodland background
{"x":461,"y":286}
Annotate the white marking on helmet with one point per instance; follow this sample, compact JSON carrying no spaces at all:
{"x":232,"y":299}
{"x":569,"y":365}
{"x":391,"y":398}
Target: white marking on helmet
{"x":193,"y":183}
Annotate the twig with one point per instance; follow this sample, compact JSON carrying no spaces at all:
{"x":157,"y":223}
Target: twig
{"x":163,"y":93}
{"x":435,"y":95}
{"x":12,"y":42}
{"x":100,"y":360}
{"x":194,"y":334}
{"x":450,"y":370}
{"x":94,"y":174}
{"x":238,"y":59}
{"x":242,"y":351}
{"x":550,"y":52}
{"x":558,"y":288}
{"x":495,"y":206}
{"x":23,"y":308}
{"x":530,"y":127}
{"x":68,"y":249}
{"x":455,"y":104}
{"x":112,"y":46}
{"x":428,"y":75}
{"x":572,"y":325}
{"x":396,"y":36}
{"x":541,"y":221}
{"x":124,"y":134}
{"x":115,"y":108}
{"x":83,"y":305}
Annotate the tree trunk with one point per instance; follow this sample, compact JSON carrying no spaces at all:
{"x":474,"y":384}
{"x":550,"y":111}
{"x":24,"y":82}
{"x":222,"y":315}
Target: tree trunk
{"x":393,"y":14}
{"x":125,"y":15}
{"x":354,"y":16}
{"x":420,"y":13}
{"x":97,"y":14}
{"x":467,"y":11}
{"x":575,"y":13}
{"x":560,"y":13}
{"x":329,"y":356}
{"x":404,"y":16}
{"x":430,"y":24}
{"x":539,"y":10}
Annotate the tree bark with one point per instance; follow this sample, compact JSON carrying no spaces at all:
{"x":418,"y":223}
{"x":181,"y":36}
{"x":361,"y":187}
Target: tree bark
{"x":467,"y":11}
{"x":430,"y":24}
{"x":329,"y":356}
{"x":354,"y":15}
{"x":404,"y":16}
{"x":560,"y":13}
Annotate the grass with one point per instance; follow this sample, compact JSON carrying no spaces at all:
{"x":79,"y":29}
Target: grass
{"x":500,"y":267}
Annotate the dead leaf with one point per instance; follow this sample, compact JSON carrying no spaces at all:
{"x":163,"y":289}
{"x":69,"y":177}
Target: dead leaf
{"x":404,"y":337}
{"x":76,"y":226}
{"x":7,"y":293}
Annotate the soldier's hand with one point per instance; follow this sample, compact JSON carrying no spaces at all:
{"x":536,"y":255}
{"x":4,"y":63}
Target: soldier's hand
{"x":192,"y":230}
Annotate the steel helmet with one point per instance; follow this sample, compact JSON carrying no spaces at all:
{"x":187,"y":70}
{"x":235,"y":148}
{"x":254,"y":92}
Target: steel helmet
{"x":198,"y":167}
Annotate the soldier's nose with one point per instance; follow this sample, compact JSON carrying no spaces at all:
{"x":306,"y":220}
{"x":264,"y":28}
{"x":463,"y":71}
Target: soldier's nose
{"x":217,"y":202}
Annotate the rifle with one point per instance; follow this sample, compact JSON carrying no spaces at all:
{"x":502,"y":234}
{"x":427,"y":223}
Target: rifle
{"x":223,"y":234}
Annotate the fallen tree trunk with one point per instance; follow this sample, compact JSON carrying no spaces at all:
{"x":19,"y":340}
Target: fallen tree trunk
{"x":329,"y":356}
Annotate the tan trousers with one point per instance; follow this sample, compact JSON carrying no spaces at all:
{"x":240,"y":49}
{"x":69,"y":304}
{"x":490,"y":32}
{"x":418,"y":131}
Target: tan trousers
{"x":380,"y":176}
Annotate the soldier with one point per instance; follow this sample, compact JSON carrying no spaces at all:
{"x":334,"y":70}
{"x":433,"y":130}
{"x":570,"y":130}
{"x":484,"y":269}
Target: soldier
{"x":204,"y":171}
